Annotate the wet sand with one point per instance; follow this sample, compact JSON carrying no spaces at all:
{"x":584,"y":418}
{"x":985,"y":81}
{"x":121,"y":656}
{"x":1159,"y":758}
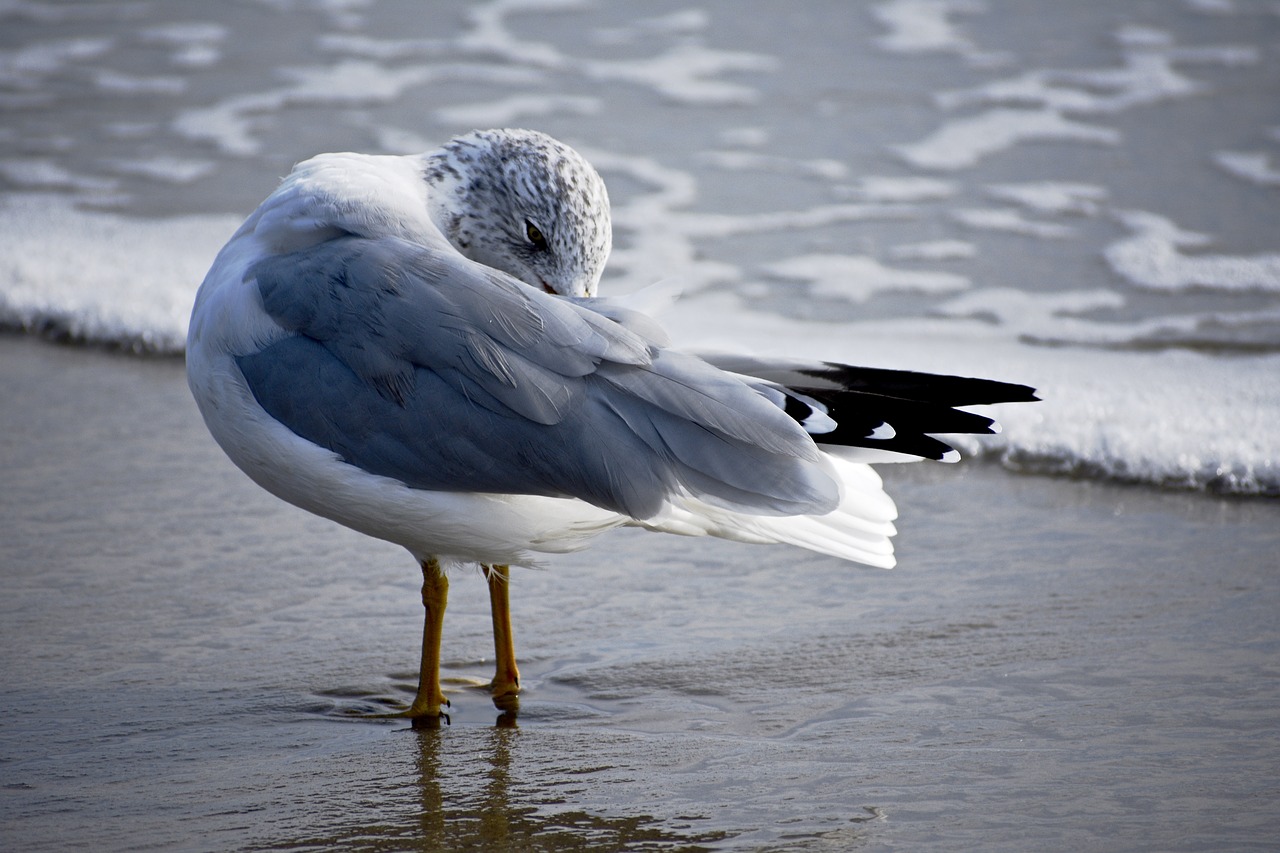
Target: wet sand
{"x":1055,"y":664}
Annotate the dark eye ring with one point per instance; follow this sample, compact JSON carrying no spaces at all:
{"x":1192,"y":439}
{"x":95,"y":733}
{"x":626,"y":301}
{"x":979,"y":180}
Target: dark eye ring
{"x":535,"y":236}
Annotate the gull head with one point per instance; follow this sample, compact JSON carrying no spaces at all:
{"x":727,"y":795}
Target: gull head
{"x":524,"y":203}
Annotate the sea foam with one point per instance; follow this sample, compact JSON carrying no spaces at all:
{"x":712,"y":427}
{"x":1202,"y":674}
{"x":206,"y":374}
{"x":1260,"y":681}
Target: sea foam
{"x":1152,"y":257}
{"x":129,"y":283}
{"x":1172,"y":418}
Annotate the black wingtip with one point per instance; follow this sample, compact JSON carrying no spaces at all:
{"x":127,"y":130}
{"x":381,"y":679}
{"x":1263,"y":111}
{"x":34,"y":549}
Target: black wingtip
{"x":915,"y":407}
{"x":942,"y":389}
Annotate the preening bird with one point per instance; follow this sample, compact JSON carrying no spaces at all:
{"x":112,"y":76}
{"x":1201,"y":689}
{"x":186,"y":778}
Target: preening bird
{"x":413,"y":347}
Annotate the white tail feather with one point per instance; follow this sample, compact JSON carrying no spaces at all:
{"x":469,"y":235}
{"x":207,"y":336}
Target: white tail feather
{"x":859,"y":529}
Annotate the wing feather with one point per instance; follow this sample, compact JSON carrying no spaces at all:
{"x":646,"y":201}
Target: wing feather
{"x":425,"y":367}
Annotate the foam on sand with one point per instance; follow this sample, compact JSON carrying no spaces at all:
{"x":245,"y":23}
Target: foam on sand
{"x":135,"y":291}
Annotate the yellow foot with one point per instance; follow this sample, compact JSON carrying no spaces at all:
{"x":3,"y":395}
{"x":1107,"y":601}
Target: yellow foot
{"x":428,"y":721}
{"x":428,"y":718}
{"x":505,"y":690}
{"x":504,"y":686}
{"x":428,"y":710}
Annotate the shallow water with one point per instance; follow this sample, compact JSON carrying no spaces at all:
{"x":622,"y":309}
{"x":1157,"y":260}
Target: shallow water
{"x":1055,"y":665}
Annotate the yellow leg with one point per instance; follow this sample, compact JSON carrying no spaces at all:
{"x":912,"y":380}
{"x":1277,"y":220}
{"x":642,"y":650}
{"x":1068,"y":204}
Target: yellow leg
{"x":435,"y":595}
{"x":506,"y":678}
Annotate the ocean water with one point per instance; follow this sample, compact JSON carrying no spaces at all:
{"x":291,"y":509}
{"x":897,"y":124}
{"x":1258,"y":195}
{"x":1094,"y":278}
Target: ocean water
{"x":1083,"y":197}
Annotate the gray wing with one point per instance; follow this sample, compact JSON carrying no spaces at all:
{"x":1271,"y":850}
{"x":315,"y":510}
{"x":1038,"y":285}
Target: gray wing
{"x":425,"y":367}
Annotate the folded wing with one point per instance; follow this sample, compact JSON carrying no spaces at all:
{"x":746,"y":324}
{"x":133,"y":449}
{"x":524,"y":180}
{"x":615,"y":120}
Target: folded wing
{"x":422,"y":366}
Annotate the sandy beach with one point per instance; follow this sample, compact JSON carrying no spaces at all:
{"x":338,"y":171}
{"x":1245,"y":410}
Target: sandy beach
{"x":1055,"y":664}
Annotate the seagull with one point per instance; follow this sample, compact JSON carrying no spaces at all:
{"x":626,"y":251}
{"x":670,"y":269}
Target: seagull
{"x":413,"y":347}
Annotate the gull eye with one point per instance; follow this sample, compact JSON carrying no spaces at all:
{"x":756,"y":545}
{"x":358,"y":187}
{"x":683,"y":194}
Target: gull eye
{"x":535,"y":236}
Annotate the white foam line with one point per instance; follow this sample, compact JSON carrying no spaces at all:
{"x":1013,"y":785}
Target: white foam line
{"x":512,"y":110}
{"x":231,"y":124}
{"x":1211,"y":7}
{"x":1252,"y":166}
{"x":381,"y":49}
{"x":685,"y":22}
{"x":1152,"y":258}
{"x":686,"y":74}
{"x":1009,"y":221}
{"x":856,"y":278}
{"x":682,"y":22}
{"x":343,"y":14}
{"x":173,"y":170}
{"x":750,"y":161}
{"x":1052,"y":196}
{"x":1213,"y":330}
{"x":1144,"y":78}
{"x":656,"y":219}
{"x":43,"y":173}
{"x":963,"y":142}
{"x":28,"y":66}
{"x":1051,"y":318}
{"x":717,"y":225}
{"x":744,"y":137}
{"x":920,"y":26}
{"x":43,"y":12}
{"x":658,"y":233}
{"x":489,"y":33}
{"x":927,"y":26}
{"x":893,"y":189}
{"x":934,"y":250}
{"x":193,"y":45}
{"x":116,"y":83}
{"x":137,"y":291}
{"x":194,"y":32}
{"x":397,"y":140}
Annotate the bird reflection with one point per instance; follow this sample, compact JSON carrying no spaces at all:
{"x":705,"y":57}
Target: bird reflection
{"x":504,"y":812}
{"x":503,"y":788}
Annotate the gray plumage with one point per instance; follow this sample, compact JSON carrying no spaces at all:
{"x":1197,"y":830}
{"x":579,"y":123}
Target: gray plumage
{"x":449,"y":376}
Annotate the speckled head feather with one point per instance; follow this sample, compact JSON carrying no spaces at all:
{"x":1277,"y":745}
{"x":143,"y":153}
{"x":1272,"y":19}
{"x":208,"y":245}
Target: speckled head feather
{"x":524,"y":203}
